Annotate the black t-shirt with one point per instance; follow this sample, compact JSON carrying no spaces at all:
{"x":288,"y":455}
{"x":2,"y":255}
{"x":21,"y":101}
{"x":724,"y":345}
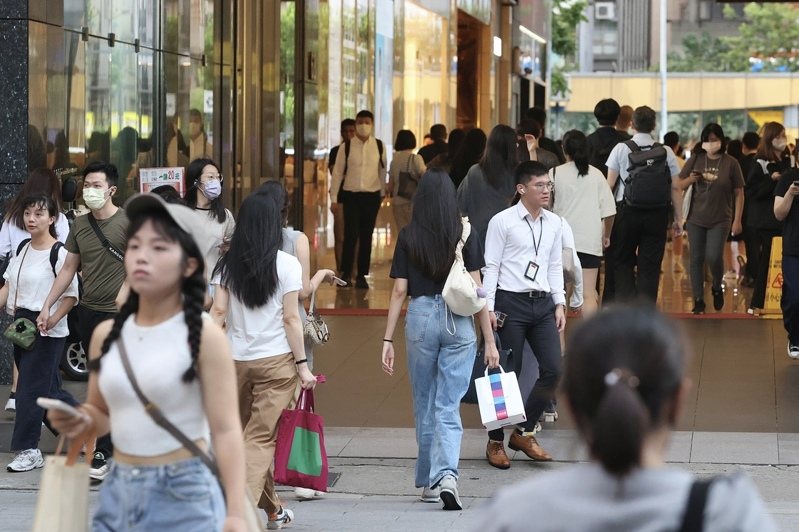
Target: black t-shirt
{"x":418,"y":283}
{"x":790,"y":226}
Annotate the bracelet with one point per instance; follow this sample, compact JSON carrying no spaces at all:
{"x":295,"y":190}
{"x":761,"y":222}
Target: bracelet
{"x":387,"y":340}
{"x":303,"y":361}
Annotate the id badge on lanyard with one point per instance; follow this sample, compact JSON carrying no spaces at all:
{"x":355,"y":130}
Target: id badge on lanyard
{"x":532,"y":267}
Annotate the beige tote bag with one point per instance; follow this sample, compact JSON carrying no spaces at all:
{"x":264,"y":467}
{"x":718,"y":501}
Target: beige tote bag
{"x":63,"y":502}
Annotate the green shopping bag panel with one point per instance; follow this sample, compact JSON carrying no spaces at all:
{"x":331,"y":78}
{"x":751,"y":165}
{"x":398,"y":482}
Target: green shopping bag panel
{"x":306,"y":453}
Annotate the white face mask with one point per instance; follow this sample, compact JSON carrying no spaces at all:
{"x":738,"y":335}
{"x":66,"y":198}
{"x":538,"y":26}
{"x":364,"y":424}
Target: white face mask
{"x":711,"y":147}
{"x":779,"y":144}
{"x":364,"y":130}
{"x":94,"y":198}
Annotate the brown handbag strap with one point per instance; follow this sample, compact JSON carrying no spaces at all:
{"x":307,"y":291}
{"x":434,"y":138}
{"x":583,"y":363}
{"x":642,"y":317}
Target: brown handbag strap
{"x":158,"y":417}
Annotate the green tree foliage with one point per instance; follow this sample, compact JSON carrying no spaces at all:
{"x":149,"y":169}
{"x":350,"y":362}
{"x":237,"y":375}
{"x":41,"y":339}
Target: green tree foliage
{"x":768,"y":34}
{"x":566,"y":16}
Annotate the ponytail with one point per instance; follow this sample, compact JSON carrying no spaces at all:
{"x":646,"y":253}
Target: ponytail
{"x":619,"y":426}
{"x":575,"y":145}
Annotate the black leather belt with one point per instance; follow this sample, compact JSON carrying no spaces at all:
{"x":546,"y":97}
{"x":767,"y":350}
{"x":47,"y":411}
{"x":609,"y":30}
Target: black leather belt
{"x":532,"y":294}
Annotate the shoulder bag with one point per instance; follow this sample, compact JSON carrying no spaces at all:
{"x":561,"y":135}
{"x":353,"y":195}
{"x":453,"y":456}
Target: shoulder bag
{"x":22,"y":331}
{"x":113,"y":250}
{"x":254,"y":523}
{"x":315,"y":328}
{"x":408,"y":182}
{"x":694,"y":516}
{"x":460,"y":289}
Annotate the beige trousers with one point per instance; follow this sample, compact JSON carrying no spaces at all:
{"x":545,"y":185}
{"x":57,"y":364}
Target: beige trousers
{"x":266,"y":387}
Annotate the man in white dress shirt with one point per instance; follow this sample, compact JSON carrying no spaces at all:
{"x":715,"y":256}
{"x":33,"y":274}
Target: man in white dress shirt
{"x":524,"y":280}
{"x":361,"y":175}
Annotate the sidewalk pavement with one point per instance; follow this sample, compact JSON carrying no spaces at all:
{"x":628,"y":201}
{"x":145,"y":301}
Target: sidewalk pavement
{"x":372,"y":472}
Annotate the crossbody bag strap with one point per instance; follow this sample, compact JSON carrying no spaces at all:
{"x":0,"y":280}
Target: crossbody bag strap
{"x":118,"y":255}
{"x":19,"y":272}
{"x":158,"y":417}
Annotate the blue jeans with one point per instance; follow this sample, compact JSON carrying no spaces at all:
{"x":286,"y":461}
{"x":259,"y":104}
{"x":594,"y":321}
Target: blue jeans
{"x":179,"y":496}
{"x":441,"y":349}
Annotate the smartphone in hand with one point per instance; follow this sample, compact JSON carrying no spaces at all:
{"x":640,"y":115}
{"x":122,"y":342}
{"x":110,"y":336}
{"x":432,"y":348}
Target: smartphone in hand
{"x":56,"y":404}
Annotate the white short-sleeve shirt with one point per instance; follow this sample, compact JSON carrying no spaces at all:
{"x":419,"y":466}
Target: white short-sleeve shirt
{"x":257,"y":333}
{"x":29,"y":287}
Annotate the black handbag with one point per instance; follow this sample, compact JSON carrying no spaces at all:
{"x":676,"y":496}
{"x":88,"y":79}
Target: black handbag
{"x":407,"y":181}
{"x":479,"y":368}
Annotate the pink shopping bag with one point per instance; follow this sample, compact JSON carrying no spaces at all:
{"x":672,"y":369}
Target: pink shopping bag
{"x":300,"y":457}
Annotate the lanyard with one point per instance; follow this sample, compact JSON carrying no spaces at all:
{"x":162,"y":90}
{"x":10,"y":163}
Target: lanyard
{"x":540,"y":234}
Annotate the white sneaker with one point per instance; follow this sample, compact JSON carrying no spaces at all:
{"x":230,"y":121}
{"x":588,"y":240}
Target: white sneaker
{"x":11,"y":405}
{"x":100,"y":467}
{"x":277,"y":520}
{"x":26,"y":460}
{"x":431,"y":494}
{"x":449,"y":493}
{"x":304,"y":494}
{"x":793,"y":351}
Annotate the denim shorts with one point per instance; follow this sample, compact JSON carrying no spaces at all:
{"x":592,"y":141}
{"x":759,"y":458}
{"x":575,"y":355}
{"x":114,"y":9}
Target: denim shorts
{"x":181,"y":496}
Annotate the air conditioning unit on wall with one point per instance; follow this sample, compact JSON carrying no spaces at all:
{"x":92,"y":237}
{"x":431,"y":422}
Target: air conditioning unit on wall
{"x":605,"y":11}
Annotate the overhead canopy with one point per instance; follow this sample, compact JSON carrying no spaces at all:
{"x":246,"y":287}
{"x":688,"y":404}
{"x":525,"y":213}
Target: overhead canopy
{"x":687,"y":92}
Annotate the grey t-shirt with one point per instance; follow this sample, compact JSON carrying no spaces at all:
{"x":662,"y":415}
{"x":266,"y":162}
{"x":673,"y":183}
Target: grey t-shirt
{"x":584,"y":497}
{"x":480,"y":201}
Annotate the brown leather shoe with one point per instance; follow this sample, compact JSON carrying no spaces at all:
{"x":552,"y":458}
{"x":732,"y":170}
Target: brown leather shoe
{"x":495,"y":452}
{"x":529,"y":446}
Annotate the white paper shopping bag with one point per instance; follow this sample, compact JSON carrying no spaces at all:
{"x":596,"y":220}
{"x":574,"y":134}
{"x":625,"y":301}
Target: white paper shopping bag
{"x":63,"y":501}
{"x":500,"y":400}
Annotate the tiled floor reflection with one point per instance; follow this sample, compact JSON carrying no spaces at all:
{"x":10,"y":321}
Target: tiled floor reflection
{"x":675,"y":289}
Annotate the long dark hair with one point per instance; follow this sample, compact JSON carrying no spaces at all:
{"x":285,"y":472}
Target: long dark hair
{"x":435,"y":225}
{"x":275,"y":190}
{"x":193,"y":173}
{"x":624,"y":370}
{"x":500,"y":158}
{"x":42,"y":201}
{"x":41,"y":181}
{"x":192,"y":287}
{"x":249,"y":268}
{"x":575,"y":145}
{"x":468,"y":154}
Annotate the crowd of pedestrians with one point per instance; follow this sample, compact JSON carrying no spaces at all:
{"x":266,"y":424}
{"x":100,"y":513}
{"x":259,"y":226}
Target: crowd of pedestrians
{"x":182,"y":303}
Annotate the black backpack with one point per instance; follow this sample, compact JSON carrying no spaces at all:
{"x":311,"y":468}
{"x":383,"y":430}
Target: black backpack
{"x":648,"y":183}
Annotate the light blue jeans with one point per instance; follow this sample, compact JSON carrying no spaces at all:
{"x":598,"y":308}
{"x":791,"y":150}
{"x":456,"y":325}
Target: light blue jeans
{"x":441,"y":349}
{"x":180,"y":496}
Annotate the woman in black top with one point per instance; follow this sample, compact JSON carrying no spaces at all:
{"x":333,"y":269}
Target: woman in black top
{"x":772,"y":161}
{"x":441,"y":345}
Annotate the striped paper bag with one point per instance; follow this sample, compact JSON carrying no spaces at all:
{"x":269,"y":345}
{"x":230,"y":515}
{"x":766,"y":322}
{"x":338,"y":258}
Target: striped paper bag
{"x":500,"y":400}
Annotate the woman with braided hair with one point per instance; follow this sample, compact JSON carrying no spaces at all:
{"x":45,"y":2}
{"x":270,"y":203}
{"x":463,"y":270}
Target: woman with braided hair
{"x":257,"y":299}
{"x":156,"y":483}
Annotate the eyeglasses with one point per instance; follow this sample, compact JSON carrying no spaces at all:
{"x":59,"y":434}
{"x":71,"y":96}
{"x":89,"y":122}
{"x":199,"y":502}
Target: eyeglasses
{"x":549,"y":185}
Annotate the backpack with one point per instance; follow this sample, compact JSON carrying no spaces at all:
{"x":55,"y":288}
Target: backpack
{"x":53,"y":253}
{"x":340,"y":198}
{"x":648,"y":183}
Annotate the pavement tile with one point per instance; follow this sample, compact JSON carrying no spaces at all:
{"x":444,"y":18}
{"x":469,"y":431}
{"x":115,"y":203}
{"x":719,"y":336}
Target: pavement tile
{"x":734,"y":448}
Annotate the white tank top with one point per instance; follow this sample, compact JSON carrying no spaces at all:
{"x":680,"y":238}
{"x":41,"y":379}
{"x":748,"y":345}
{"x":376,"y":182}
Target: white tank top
{"x":159,"y":355}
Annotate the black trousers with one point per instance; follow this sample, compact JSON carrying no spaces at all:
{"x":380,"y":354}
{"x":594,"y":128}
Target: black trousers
{"x":790,"y":297}
{"x":39,"y":376}
{"x":641,"y":242}
{"x":88,"y":320}
{"x":763,"y":245}
{"x":532,"y":321}
{"x":360,"y":215}
{"x":609,"y":290}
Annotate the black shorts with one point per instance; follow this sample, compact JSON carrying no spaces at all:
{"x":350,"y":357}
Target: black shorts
{"x":590,"y":262}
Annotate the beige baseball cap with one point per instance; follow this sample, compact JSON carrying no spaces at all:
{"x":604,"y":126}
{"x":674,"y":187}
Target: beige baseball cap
{"x":148,"y":202}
